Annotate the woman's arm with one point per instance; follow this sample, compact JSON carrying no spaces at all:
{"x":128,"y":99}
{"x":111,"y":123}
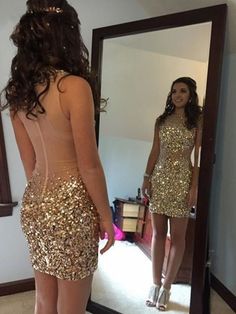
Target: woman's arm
{"x":152,"y":159}
{"x":77,"y":100}
{"x":24,"y":144}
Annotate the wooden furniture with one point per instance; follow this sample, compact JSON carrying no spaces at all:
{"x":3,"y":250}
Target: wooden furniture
{"x":6,"y":204}
{"x":127,"y":214}
{"x":143,"y":238}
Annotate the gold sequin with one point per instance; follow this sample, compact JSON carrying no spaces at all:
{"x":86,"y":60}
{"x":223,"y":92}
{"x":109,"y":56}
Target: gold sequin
{"x":61,"y":225}
{"x":172,"y":174}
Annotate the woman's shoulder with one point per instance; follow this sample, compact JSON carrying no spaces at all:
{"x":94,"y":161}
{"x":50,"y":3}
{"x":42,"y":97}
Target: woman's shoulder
{"x":70,"y":82}
{"x":158,"y":121}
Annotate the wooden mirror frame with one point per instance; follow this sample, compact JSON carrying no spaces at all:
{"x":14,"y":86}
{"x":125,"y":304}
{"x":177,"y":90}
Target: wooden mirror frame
{"x":217,"y":16}
{"x":6,"y":204}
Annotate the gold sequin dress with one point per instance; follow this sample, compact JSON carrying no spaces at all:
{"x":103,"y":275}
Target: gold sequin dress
{"x":171,"y":177}
{"x":58,"y":217}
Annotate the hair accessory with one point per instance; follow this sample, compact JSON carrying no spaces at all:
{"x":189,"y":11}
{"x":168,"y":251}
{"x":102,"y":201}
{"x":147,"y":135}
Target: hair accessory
{"x":45,"y":10}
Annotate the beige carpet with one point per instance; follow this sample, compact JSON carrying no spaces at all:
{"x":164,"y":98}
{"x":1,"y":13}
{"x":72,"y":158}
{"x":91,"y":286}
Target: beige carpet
{"x":123,"y":280}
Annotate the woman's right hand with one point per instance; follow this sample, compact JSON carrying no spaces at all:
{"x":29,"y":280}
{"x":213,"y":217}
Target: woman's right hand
{"x":106,"y":226}
{"x":146,"y":188}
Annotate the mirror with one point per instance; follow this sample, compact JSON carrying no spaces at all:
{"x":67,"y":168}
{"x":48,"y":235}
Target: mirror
{"x":137,"y":72}
{"x":136,"y":63}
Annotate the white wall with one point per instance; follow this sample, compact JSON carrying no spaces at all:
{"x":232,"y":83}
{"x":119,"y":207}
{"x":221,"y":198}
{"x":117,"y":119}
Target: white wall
{"x":137,"y":83}
{"x":223,"y":208}
{"x":14,"y":263}
{"x":13,"y":257}
{"x":124,"y":161}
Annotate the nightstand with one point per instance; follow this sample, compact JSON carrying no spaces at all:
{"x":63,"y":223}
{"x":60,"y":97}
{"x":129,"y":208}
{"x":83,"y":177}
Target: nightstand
{"x":127,"y":214}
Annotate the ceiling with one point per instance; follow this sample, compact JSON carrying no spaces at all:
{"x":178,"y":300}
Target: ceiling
{"x":163,"y":7}
{"x":188,"y":42}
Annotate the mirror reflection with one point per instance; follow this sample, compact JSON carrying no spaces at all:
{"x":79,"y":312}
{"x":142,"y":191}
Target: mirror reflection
{"x":137,"y":73}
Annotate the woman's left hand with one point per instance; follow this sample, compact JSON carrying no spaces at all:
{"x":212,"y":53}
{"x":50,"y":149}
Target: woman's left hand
{"x":192,"y":197}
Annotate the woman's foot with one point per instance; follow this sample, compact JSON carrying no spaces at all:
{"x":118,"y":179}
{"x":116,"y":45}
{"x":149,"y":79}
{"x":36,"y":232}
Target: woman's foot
{"x":163,"y":299}
{"x":153,"y":296}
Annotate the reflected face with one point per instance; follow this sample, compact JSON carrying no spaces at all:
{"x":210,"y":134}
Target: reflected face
{"x":180,"y":95}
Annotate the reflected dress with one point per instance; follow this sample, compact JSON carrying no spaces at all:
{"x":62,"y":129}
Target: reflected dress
{"x":58,"y":217}
{"x":172,"y":174}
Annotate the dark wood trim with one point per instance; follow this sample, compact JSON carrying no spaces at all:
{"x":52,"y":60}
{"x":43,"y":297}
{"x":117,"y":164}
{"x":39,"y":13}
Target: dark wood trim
{"x":6,"y":204}
{"x":17,"y":286}
{"x":29,"y":285}
{"x":96,"y":308}
{"x":160,"y":22}
{"x":217,"y":16}
{"x":93,"y":307}
{"x":225,"y":294}
{"x":143,"y":246}
{"x":207,"y":159}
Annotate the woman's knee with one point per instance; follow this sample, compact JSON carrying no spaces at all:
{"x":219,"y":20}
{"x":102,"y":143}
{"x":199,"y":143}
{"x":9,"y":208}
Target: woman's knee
{"x":178,"y":240}
{"x":73,"y":295}
{"x":45,"y":306}
{"x":159,"y":235}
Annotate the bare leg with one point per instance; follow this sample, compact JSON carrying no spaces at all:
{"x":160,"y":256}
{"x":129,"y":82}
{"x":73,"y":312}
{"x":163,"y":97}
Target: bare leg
{"x":178,"y":228}
{"x":73,"y":295}
{"x":159,"y":229}
{"x":46,"y":293}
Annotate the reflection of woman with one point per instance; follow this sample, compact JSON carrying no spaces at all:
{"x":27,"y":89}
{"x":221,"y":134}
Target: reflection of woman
{"x":171,"y":182}
{"x":65,"y":204}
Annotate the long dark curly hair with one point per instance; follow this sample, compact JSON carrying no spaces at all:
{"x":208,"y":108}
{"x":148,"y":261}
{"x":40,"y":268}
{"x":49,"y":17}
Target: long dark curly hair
{"x":192,"y":109}
{"x":48,"y":39}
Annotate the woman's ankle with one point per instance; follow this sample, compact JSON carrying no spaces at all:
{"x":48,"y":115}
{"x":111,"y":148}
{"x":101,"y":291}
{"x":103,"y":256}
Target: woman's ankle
{"x":166,"y":286}
{"x":157,"y":283}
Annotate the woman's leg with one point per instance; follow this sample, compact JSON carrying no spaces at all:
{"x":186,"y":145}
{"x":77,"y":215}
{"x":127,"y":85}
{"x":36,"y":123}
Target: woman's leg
{"x":73,"y":295}
{"x":159,"y":231}
{"x":178,"y":228}
{"x":46,"y":293}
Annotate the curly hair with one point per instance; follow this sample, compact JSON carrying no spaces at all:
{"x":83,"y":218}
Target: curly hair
{"x":46,"y":41}
{"x":192,"y":109}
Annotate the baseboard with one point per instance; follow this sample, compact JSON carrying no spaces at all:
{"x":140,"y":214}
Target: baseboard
{"x":97,"y":308}
{"x":28,"y":285}
{"x":17,"y":286}
{"x":225,"y":294}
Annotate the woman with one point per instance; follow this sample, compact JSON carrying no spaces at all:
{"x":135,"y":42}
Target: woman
{"x":171,"y":182}
{"x":65,"y":204}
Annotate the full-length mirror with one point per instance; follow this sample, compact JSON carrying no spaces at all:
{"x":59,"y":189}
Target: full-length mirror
{"x":136,"y":69}
{"x":137,"y":72}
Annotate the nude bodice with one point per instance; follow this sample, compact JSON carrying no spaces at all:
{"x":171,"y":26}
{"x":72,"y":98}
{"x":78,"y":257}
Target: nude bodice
{"x":51,"y":136}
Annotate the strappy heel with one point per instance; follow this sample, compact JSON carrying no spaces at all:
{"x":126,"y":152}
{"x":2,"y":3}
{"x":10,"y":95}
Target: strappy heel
{"x":163,"y":299}
{"x":153,"y":296}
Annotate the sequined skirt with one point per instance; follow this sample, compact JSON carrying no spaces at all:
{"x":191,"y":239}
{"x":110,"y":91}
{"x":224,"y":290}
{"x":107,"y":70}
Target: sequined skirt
{"x":60,"y":223}
{"x":170,"y":183}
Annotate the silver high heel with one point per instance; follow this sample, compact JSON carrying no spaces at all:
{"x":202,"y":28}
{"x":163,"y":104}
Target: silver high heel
{"x":163,"y":299}
{"x":153,"y":296}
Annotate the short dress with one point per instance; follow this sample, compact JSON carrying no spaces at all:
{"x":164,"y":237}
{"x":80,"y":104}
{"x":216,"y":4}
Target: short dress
{"x":58,"y":216}
{"x":172,"y":174}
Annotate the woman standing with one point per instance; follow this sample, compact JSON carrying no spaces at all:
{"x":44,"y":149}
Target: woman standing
{"x":65,"y":204}
{"x":171,"y":182}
